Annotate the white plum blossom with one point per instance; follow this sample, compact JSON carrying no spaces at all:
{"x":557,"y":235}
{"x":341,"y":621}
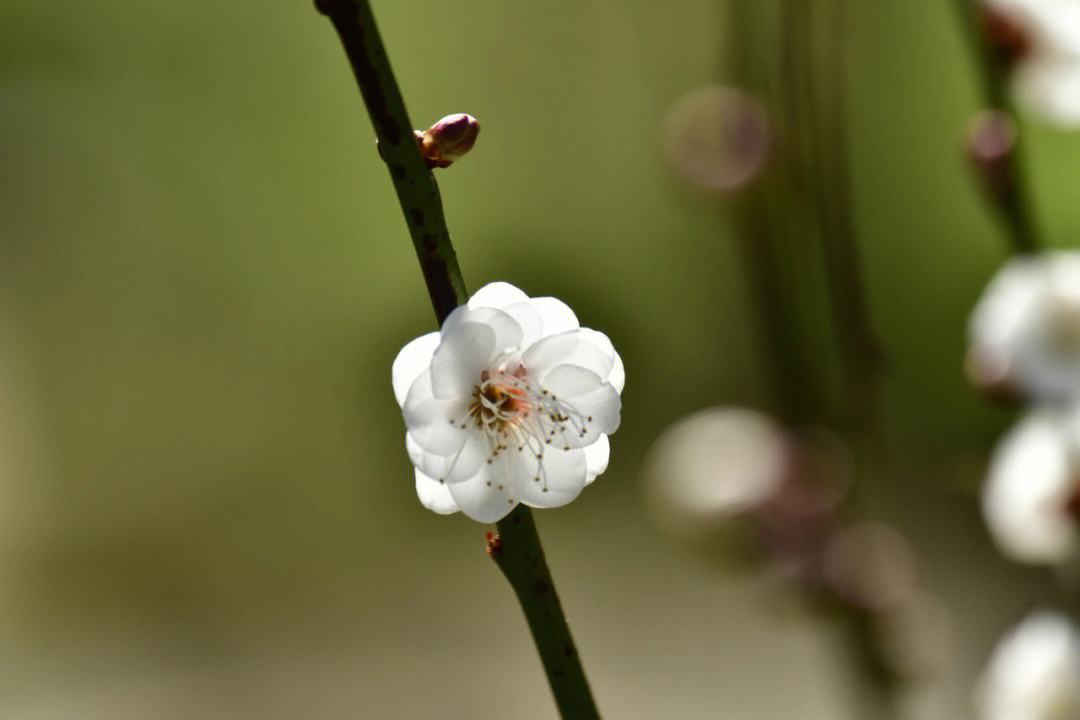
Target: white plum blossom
{"x":1034,"y":673}
{"x":1040,"y":39}
{"x":512,"y":401}
{"x":1031,"y":495}
{"x":1025,"y":331}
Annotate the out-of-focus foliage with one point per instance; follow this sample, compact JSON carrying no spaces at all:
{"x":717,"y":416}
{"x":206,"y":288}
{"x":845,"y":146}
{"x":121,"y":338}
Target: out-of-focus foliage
{"x":205,"y":506}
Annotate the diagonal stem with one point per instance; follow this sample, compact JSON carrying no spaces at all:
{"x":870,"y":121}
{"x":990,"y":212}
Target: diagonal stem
{"x":415,"y":185}
{"x":520,"y":556}
{"x":517,"y":551}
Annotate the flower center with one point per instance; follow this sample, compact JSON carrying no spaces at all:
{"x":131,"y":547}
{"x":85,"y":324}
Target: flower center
{"x":513,"y":412}
{"x":498,"y":407}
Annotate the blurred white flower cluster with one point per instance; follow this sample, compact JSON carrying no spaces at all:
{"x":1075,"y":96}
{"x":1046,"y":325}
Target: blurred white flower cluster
{"x":1025,"y":344}
{"x":512,"y":401}
{"x":1039,"y":43}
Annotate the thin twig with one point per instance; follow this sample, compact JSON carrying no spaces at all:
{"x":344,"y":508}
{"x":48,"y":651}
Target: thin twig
{"x":519,"y":554}
{"x":517,"y":551}
{"x":415,"y":185}
{"x":764,"y":231}
{"x":1014,"y":206}
{"x":860,"y":352}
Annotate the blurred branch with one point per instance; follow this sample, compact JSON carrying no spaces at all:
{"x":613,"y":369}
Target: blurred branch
{"x":1014,"y":205}
{"x":803,"y":65}
{"x":517,"y":551}
{"x":860,"y":352}
{"x":821,"y":106}
{"x":764,"y":224}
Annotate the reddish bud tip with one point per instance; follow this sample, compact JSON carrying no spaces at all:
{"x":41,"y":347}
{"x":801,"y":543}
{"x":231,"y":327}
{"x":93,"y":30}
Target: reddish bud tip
{"x":448,"y":140}
{"x":494,"y":544}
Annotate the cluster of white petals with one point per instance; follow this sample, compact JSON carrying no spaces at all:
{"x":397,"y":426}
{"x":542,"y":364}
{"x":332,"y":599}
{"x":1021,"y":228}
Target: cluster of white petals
{"x":1034,"y":673}
{"x":1030,"y":497}
{"x":1044,"y":37}
{"x":1025,"y":331}
{"x":512,"y":401}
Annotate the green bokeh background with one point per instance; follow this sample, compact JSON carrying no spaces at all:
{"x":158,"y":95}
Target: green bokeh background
{"x":206,"y":510}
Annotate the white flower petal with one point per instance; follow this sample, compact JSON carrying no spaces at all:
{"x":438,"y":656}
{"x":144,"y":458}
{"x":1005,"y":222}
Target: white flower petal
{"x":596,"y":458}
{"x":453,"y":468}
{"x":413,"y":360}
{"x":1032,"y":476}
{"x":557,"y":315}
{"x":466,"y":351}
{"x":556,"y":482}
{"x":582,"y":391}
{"x":1051,"y":88}
{"x":429,"y":419}
{"x":488,"y":496}
{"x":528,"y":317}
{"x":498,"y":295}
{"x":1034,"y":673}
{"x":434,"y":495}
{"x":1026,"y":326}
{"x":617,"y":377}
{"x":590,"y":406}
{"x":508,"y":333}
{"x":574,"y":347}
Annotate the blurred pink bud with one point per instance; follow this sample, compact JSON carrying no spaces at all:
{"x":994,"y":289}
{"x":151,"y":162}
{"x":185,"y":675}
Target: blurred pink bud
{"x":448,"y":140}
{"x":991,"y":139}
{"x":717,"y":138}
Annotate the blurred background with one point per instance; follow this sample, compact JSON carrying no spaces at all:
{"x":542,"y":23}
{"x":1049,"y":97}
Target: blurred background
{"x":206,"y":510}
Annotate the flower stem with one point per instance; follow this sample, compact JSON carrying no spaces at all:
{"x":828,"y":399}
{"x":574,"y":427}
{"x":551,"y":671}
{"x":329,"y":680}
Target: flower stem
{"x":520,"y":556}
{"x":1014,"y":206}
{"x":518,"y":551}
{"x":416,"y":188}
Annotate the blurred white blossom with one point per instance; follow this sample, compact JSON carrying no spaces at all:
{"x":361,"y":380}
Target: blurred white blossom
{"x":1040,"y":39}
{"x":511,"y":402}
{"x":1034,"y":673}
{"x":1025,"y":331}
{"x":715,"y":465}
{"x":1029,"y":499}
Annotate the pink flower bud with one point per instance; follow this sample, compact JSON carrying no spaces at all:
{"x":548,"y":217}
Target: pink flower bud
{"x":991,"y":139}
{"x":448,"y":140}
